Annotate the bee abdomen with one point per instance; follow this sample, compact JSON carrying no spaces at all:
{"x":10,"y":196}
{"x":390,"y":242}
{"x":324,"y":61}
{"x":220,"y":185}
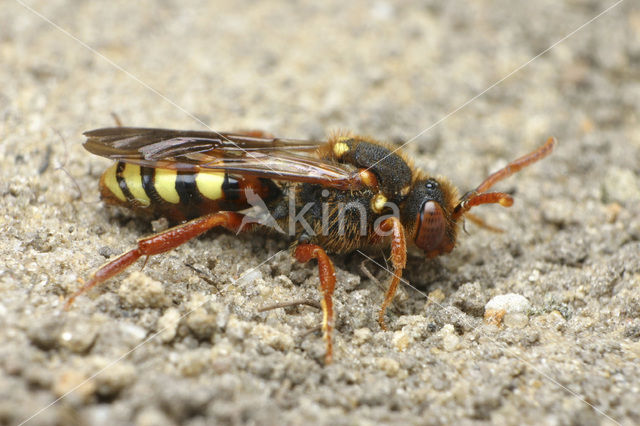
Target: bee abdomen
{"x":177,"y":194}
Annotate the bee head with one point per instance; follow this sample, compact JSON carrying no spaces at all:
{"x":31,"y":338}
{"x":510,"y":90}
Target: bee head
{"x":429,"y":206}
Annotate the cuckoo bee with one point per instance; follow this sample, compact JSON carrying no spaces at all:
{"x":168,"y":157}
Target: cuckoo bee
{"x":345,"y":194}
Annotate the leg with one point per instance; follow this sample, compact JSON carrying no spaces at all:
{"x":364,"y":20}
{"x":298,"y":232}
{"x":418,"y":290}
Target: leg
{"x":116,"y":118}
{"x":159,"y":243}
{"x":398,"y":260}
{"x":481,"y":223}
{"x":304,"y":253}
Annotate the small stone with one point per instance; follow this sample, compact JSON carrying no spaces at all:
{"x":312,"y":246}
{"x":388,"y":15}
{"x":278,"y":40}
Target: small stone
{"x":193,"y":363}
{"x":78,"y":336}
{"x":131,"y":334}
{"x":236,"y":329}
{"x":550,"y":321}
{"x":74,"y":385}
{"x":389,"y":365}
{"x":534,"y":276}
{"x":168,"y":325}
{"x":221,"y":350}
{"x":494,"y":316}
{"x":450,"y":340}
{"x":613,"y":210}
{"x":516,"y":320}
{"x":361,"y":336}
{"x":152,"y":417}
{"x":509,"y":302}
{"x":201,"y":323}
{"x":436,"y":296}
{"x":249,"y":277}
{"x":401,"y":340}
{"x":504,"y":305}
{"x":97,"y":414}
{"x":274,"y":338}
{"x":382,"y":11}
{"x":415,"y":327}
{"x":114,"y":377}
{"x":621,"y":185}
{"x":159,"y":225}
{"x":197,"y":300}
{"x":140,"y":291}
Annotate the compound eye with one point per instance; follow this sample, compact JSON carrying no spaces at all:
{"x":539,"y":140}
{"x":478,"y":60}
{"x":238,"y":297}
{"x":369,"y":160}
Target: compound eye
{"x":432,"y":227}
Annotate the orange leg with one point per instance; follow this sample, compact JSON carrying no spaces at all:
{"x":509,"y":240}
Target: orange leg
{"x":398,"y":260}
{"x":481,"y":223}
{"x":303,"y":253}
{"x":159,"y":243}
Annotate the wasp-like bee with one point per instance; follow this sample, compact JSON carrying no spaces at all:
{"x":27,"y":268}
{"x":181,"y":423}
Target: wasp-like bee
{"x":345,"y":194}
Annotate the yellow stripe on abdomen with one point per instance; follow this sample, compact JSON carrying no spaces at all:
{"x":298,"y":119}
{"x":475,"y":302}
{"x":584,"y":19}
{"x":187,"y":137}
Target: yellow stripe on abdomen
{"x":133,"y":179}
{"x":165,"y":185}
{"x":111,"y":182}
{"x":210,"y":184}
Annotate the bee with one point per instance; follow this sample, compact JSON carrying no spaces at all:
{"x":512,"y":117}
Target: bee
{"x":348,"y":193}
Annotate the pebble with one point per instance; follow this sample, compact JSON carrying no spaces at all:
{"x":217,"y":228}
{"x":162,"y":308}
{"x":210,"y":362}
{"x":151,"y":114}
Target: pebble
{"x":114,"y":377}
{"x":168,"y":325}
{"x":361,"y":336}
{"x":516,"y":320}
{"x":193,"y":363}
{"x":78,"y":336}
{"x":152,"y":417}
{"x":401,"y":340}
{"x":550,"y":321}
{"x":621,"y":185}
{"x":73,"y":385}
{"x":236,"y":329}
{"x":131,"y":334}
{"x":450,"y":340}
{"x":436,"y":296}
{"x":140,"y":291}
{"x":413,"y":328}
{"x":272,"y":337}
{"x":509,"y":302}
{"x":201,"y":323}
{"x":249,"y":277}
{"x":389,"y":365}
{"x":509,"y":309}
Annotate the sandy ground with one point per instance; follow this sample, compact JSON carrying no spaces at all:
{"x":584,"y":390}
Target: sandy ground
{"x":565,"y":354}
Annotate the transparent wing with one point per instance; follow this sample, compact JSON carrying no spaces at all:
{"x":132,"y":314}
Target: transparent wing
{"x":243,"y":154}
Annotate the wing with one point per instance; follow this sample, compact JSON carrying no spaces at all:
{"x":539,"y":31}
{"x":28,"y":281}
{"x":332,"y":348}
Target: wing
{"x":272,"y":158}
